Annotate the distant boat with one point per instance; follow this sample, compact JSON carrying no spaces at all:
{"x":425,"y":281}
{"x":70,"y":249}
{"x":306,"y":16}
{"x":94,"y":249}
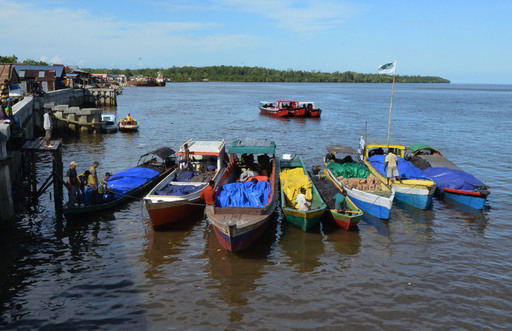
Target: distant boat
{"x":269,"y":108}
{"x":289,"y":108}
{"x":126,"y":125}
{"x":290,"y":185}
{"x":311,"y":110}
{"x":452,"y":182}
{"x":177,"y":196}
{"x":244,"y":209}
{"x":109,"y":123}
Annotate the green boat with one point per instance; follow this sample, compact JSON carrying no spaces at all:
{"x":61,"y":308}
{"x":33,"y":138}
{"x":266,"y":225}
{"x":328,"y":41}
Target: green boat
{"x":303,"y":219}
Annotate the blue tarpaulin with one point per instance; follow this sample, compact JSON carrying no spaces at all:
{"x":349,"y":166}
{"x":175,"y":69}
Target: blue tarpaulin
{"x":405,"y":168}
{"x":183,"y":176}
{"x":247,"y":194}
{"x":452,"y":178}
{"x":130,"y":179}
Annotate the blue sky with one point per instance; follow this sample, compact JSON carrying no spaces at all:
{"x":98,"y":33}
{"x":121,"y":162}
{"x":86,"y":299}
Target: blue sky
{"x":464,"y":41}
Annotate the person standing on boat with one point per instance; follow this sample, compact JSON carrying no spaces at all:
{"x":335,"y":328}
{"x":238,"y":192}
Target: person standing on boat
{"x":185,"y":157}
{"x":72,"y":184}
{"x":390,"y":160}
{"x":208,"y":194}
{"x":93,"y":182}
{"x":361,"y":147}
{"x":301,"y":200}
{"x":103,"y":187}
{"x":129,"y":118}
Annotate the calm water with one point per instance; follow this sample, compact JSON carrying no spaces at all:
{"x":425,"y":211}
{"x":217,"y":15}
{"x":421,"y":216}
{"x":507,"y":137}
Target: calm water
{"x":444,"y":267}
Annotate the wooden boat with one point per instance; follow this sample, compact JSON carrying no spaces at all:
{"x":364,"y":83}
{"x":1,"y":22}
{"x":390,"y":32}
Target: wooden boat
{"x":452,"y":182}
{"x":236,"y":224}
{"x":348,"y":218}
{"x":109,"y":123}
{"x":177,"y":196}
{"x":283,"y":108}
{"x":162,"y":161}
{"x":372,"y":196}
{"x":303,"y":219}
{"x":126,"y":126}
{"x":415,"y":192}
{"x":311,"y":110}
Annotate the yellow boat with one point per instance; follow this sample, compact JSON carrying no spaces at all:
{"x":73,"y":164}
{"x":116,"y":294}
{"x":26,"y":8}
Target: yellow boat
{"x":415,"y":192}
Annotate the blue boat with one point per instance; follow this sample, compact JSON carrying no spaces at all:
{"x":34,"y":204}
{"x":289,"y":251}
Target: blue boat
{"x":452,"y":182}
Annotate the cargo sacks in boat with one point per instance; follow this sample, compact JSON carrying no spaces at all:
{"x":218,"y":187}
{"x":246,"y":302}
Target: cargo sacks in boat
{"x":454,"y":179}
{"x":247,"y":194}
{"x":128,"y":180}
{"x":349,"y":170}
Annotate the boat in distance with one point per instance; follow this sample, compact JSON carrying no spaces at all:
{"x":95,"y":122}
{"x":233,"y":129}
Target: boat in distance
{"x":245,"y":205}
{"x":289,"y":108}
{"x":178,"y":195}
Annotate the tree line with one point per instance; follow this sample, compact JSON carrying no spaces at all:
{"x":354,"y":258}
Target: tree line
{"x":257,"y":74}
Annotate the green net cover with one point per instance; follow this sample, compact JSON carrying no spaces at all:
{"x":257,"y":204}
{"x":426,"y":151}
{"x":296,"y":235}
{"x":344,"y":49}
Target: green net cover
{"x":349,"y":170}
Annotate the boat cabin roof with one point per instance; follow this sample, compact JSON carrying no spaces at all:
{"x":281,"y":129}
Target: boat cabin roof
{"x":341,"y":149}
{"x":421,"y":148}
{"x":251,"y":146}
{"x":399,"y":149}
{"x":205,"y":147}
{"x":108,"y":117}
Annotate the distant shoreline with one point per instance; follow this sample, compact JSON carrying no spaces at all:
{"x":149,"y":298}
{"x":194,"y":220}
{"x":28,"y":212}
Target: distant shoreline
{"x":264,"y":75}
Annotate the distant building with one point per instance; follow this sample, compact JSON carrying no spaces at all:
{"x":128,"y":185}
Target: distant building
{"x":50,"y":78}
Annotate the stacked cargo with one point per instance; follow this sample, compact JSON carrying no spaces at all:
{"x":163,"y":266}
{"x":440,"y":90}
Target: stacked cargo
{"x":364,"y":184}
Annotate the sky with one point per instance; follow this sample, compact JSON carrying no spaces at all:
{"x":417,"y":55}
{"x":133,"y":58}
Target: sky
{"x":463,"y":41}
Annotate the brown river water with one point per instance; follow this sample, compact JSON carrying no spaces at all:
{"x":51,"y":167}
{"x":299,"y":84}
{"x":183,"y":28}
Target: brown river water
{"x":446,"y":267}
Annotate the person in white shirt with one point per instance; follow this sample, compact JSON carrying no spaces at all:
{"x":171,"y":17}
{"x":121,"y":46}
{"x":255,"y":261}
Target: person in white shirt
{"x":301,"y":200}
{"x":361,"y":147}
{"x":47,"y":125}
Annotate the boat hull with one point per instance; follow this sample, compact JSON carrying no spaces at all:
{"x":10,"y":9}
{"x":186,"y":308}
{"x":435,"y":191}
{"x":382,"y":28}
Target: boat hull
{"x":165,"y":213}
{"x":470,"y":200}
{"x":275,"y":112}
{"x":128,"y":128}
{"x":304,"y":220}
{"x":417,"y":197}
{"x":315,"y":113}
{"x":347,"y":222}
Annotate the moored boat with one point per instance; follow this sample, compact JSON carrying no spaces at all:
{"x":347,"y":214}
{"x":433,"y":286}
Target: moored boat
{"x":348,"y":218}
{"x":414,"y":188}
{"x":269,"y":108}
{"x":244,"y":206}
{"x":294,"y":176}
{"x":283,"y":108}
{"x":130,"y":183}
{"x":311,"y":110}
{"x":109,"y":123}
{"x":452,"y":182}
{"x":344,"y":168}
{"x":178,"y":195}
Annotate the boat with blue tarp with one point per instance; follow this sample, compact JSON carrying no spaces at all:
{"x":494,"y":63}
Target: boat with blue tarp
{"x":129,"y":183}
{"x":413,"y":188}
{"x":348,"y":173}
{"x":453,"y":183}
{"x":178,"y":195}
{"x":246,"y":194}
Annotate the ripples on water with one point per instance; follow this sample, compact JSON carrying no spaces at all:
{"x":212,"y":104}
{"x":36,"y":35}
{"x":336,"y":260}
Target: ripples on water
{"x":444,"y":267}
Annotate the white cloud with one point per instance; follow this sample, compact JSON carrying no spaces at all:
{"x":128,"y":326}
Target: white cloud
{"x":57,"y":60}
{"x":100,"y":40}
{"x":299,"y":16}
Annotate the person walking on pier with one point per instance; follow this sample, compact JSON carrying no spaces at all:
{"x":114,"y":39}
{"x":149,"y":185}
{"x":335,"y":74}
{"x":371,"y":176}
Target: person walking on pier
{"x":47,"y":125}
{"x":93,"y":182}
{"x":72,"y":184}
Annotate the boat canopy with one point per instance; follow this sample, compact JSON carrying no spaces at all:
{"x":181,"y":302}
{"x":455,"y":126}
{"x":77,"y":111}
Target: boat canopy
{"x":205,"y":147}
{"x":251,"y":146}
{"x":162,"y":152}
{"x":341,"y":149}
{"x":419,"y":147}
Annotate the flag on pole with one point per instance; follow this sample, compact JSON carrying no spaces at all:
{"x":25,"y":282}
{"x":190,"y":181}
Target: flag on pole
{"x":388,"y":68}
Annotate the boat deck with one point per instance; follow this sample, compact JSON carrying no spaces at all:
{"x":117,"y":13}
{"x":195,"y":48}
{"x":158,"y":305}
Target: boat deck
{"x":437,"y":161}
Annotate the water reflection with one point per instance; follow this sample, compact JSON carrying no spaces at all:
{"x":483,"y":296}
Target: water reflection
{"x":382,"y":226}
{"x":476,"y":219}
{"x":237,"y":273}
{"x":303,"y":248}
{"x":344,"y":242}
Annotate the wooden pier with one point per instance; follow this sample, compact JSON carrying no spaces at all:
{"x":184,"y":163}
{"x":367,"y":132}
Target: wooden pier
{"x":30,"y":148}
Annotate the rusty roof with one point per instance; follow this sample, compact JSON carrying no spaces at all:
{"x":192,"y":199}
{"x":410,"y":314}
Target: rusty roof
{"x":7,"y":72}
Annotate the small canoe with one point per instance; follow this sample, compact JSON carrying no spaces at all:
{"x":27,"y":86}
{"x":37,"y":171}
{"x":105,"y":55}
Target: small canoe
{"x":349,"y":218}
{"x":302,"y":219}
{"x":127,"y":126}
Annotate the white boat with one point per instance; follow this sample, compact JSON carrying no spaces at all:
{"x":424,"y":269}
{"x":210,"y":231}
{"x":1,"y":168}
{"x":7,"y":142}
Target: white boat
{"x":177,"y":196}
{"x":375,"y":200}
{"x":109,"y":123}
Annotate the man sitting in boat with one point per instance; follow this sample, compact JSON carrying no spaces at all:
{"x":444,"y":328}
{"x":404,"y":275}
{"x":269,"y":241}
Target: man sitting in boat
{"x":340,"y":203}
{"x":301,"y":200}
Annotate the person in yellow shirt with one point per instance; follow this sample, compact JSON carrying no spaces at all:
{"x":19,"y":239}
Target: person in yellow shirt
{"x":129,"y":118}
{"x":93,"y":183}
{"x":392,"y":167}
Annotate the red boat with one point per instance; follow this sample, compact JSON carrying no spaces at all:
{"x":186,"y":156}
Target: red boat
{"x":268,"y":108}
{"x":290,"y":108}
{"x":177,"y":196}
{"x":311,"y":110}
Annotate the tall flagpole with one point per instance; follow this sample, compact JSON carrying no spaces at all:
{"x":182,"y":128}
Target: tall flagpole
{"x":391,"y":104}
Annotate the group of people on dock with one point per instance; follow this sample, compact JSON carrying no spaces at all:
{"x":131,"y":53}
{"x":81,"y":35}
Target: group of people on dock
{"x":77,"y":185}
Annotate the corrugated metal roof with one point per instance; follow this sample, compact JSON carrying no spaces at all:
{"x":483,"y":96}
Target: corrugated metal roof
{"x":59,"y":70}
